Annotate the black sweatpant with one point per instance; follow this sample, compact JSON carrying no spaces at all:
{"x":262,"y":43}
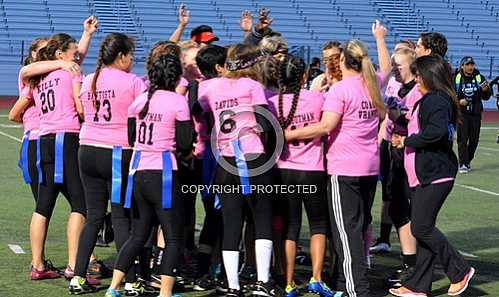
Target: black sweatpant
{"x":468,"y":136}
{"x":350,"y":200}
{"x":398,"y":190}
{"x":146,"y":207}
{"x":432,"y":245}
{"x":314,"y":203}
{"x":96,"y":175}
{"x":71,"y":187}
{"x":233,"y":203}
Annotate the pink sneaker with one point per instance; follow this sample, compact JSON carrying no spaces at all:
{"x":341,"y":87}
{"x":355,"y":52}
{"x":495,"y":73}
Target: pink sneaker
{"x":43,"y":274}
{"x":69,"y":273}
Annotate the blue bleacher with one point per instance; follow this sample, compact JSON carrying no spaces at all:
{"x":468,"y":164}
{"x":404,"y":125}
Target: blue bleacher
{"x":470,"y":26}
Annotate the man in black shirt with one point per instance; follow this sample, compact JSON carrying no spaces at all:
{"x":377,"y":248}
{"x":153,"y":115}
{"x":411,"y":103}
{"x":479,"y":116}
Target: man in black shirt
{"x":471,"y":88}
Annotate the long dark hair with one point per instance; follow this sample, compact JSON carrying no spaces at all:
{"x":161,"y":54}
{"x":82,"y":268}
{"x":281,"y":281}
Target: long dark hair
{"x":436,"y":76}
{"x":59,"y":41}
{"x":162,"y":47}
{"x":291,"y":72}
{"x":164,"y":74}
{"x":110,"y":48}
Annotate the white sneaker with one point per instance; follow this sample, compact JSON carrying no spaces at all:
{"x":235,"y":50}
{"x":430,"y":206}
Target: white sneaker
{"x":464,"y":169}
{"x":380,"y":248}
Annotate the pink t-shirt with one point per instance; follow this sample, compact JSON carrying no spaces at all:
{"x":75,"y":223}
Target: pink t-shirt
{"x":232,"y":103}
{"x":54,"y":99}
{"x":31,"y":116}
{"x":106,"y":116}
{"x":392,"y":89}
{"x":353,"y":144}
{"x":156,"y":132}
{"x":305,"y":155}
{"x":201,"y":125}
{"x":412,"y":128}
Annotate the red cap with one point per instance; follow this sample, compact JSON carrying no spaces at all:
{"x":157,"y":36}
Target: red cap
{"x":205,"y":37}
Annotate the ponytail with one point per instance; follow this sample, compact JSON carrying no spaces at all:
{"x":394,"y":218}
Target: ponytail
{"x":110,"y":48}
{"x":357,"y":59}
{"x":369,"y":75}
{"x":163,"y":74}
{"x":291,"y":72}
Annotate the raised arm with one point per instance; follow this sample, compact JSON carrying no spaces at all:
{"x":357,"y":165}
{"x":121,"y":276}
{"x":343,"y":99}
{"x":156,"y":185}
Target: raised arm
{"x":246,"y":23}
{"x":184,"y":16}
{"x":379,"y":32}
{"x":90,"y":26}
{"x":329,"y":121}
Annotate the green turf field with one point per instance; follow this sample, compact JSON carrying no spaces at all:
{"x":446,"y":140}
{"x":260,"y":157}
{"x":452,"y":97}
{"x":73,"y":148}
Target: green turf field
{"x":469,"y":219}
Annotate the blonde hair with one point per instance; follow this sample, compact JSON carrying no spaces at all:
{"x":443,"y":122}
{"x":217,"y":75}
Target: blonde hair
{"x":357,"y":59}
{"x":406,"y":52}
{"x":273,"y":45}
{"x":188,"y":44}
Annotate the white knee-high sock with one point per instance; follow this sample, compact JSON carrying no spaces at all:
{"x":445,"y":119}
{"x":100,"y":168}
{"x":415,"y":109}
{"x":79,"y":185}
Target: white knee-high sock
{"x":231,"y":264}
{"x":263,"y":255}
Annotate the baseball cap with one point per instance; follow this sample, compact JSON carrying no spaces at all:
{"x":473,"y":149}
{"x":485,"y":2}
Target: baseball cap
{"x":467,"y":60}
{"x":203,"y":34}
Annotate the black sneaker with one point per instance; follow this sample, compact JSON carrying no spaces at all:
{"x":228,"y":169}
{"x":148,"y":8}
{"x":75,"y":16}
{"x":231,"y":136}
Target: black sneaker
{"x":263,"y":289}
{"x":203,"y":284}
{"x":233,"y":293}
{"x":396,"y":279}
{"x":221,"y":288}
{"x":380,"y":247}
{"x":497,"y":140}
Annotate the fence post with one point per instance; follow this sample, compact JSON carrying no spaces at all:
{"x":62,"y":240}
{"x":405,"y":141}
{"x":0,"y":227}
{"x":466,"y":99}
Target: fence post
{"x":22,"y":51}
{"x":491,"y":66}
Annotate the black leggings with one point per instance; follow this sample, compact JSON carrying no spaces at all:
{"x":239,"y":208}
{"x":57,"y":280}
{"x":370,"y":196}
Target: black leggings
{"x":233,"y":204}
{"x":96,"y":174}
{"x":71,"y":187}
{"x":147,"y":206}
{"x":315,"y":203}
{"x":398,"y":190}
{"x":189,"y":174}
{"x":33,"y":171}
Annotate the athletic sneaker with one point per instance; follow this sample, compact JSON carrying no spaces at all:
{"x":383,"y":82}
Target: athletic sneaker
{"x":497,"y":140}
{"x":396,"y":279}
{"x":469,"y":167}
{"x":380,"y":247}
{"x":263,"y":289}
{"x":233,"y":293}
{"x":222,"y":288}
{"x":458,"y":288}
{"x":291,"y":290}
{"x":405,"y":292}
{"x":79,"y":285}
{"x":320,"y":288}
{"x":203,"y":283}
{"x":43,"y":274}
{"x":464,"y":169}
{"x":138,"y":288}
{"x":112,"y":293}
